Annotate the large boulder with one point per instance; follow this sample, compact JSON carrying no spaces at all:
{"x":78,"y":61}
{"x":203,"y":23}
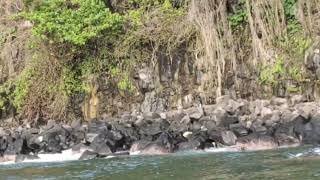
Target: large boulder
{"x":103,"y":144}
{"x":87,"y":155}
{"x":55,"y":139}
{"x":194,"y":113}
{"x":239,"y":129}
{"x":163,"y":145}
{"x":128,"y":133}
{"x":311,"y":131}
{"x":220,"y":116}
{"x":14,"y":145}
{"x":138,"y":146}
{"x":153,"y":128}
{"x":192,"y":144}
{"x":24,"y":157}
{"x":228,"y":138}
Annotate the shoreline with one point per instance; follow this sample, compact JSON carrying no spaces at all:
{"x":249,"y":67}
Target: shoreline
{"x":69,"y":156}
{"x":238,"y":124}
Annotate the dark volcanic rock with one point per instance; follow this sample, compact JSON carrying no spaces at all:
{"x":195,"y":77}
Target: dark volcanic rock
{"x":87,"y":155}
{"x":138,"y":146}
{"x":228,"y":138}
{"x":23,"y":157}
{"x":14,"y":145}
{"x":256,"y":142}
{"x":100,"y":145}
{"x":152,"y":128}
{"x":55,"y":139}
{"x":239,"y":130}
{"x":190,"y":145}
{"x":163,"y":145}
{"x":256,"y":125}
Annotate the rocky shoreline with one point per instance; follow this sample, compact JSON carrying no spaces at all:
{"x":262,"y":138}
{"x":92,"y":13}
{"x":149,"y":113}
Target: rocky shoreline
{"x":238,"y":124}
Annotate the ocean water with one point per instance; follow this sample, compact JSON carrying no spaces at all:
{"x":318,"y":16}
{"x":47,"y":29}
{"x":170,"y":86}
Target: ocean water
{"x":271,"y":164}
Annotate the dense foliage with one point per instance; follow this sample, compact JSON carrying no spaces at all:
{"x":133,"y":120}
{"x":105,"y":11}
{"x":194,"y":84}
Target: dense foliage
{"x":75,"y":21}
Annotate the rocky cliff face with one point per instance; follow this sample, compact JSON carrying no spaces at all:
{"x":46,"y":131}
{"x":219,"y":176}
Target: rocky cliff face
{"x":176,"y":84}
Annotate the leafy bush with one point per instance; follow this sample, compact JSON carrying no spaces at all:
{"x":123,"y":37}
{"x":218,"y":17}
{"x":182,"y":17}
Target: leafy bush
{"x":239,"y":16}
{"x":269,"y":75}
{"x":73,"y":21}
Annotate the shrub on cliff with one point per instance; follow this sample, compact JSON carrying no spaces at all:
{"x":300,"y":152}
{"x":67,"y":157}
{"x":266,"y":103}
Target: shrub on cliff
{"x":73,"y":21}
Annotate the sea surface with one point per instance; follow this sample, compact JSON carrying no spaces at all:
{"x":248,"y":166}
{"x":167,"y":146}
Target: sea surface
{"x":273,"y":164}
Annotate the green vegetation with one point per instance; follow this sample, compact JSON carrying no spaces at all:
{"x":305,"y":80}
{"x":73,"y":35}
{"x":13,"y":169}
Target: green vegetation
{"x":75,"y":21}
{"x":239,"y":16}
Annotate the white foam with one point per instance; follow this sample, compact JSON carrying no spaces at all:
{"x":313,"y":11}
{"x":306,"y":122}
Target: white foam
{"x":67,"y":155}
{"x":226,"y":149}
{"x":135,"y":153}
{"x":7,"y":163}
{"x":311,"y":152}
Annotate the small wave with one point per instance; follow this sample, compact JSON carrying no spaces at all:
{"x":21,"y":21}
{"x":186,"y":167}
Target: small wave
{"x":67,"y":155}
{"x":307,"y":153}
{"x":226,"y":149}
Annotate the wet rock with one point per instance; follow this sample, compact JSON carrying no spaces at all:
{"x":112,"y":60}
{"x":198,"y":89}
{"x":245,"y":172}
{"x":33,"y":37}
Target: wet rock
{"x":35,"y":143}
{"x":286,"y":140}
{"x":3,"y":144}
{"x":121,"y":153}
{"x":138,"y":146}
{"x":195,"y":141}
{"x":311,"y":131}
{"x":215,"y":135}
{"x":190,"y":145}
{"x":239,"y":130}
{"x":129,"y":134}
{"x":77,"y":136}
{"x":7,"y":158}
{"x":163,"y":145}
{"x":228,"y":138}
{"x":55,"y":139}
{"x":23,"y":157}
{"x":88,"y":155}
{"x":256,"y":142}
{"x":154,"y":149}
{"x":165,"y":140}
{"x":101,"y":145}
{"x":14,"y":146}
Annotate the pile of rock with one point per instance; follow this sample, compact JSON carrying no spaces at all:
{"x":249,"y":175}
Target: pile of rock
{"x":260,"y":124}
